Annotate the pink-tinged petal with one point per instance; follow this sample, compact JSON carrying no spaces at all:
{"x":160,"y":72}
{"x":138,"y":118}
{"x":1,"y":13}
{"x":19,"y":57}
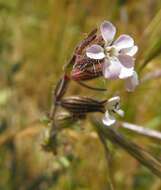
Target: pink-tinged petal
{"x":130,"y":51}
{"x":108,"y":31}
{"x":111,"y":68}
{"x":126,"y":60}
{"x":108,"y":119}
{"x":132,"y":82}
{"x":126,"y":72}
{"x":95,"y":52}
{"x":124,"y":41}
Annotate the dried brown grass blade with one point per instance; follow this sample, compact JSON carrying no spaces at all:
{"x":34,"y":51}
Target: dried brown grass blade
{"x":143,"y":156}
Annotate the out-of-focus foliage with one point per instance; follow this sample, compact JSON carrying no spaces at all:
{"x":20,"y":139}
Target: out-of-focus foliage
{"x":37,"y":38}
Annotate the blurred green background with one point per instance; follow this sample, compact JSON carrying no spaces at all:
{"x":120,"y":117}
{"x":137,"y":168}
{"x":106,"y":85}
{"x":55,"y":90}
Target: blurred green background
{"x":37,"y":37}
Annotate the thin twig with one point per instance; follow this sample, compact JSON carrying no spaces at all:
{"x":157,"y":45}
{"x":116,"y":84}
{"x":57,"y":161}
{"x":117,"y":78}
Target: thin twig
{"x":156,"y":135}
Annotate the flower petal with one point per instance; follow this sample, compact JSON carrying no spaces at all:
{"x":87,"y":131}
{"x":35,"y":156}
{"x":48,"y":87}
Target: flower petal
{"x":132,"y":82}
{"x":127,"y":66}
{"x":114,"y":100}
{"x":126,"y":72}
{"x":130,"y":51}
{"x":126,"y":60}
{"x":120,"y":112}
{"x":108,"y":119}
{"x":124,"y":41}
{"x":113,"y":103}
{"x":108,"y":31}
{"x":95,"y":52}
{"x":111,"y":68}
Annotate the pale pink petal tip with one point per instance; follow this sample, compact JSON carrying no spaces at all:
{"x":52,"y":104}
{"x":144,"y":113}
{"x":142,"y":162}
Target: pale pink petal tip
{"x":130,"y":51}
{"x":124,"y":41}
{"x":108,"y":31}
{"x":132,"y":82}
{"x":126,"y":73}
{"x":95,"y":52}
{"x":127,"y":66}
{"x":111,"y":69}
{"x":108,"y":119}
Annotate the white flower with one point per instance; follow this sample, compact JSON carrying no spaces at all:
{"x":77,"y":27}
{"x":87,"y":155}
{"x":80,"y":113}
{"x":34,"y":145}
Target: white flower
{"x":113,"y":107}
{"x":118,"y":55}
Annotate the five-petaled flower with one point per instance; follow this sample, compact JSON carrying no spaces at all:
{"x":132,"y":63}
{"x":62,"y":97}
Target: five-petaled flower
{"x":113,"y":107}
{"x":117,"y":56}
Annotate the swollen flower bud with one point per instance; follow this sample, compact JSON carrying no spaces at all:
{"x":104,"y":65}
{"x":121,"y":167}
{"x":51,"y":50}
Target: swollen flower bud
{"x":86,"y":69}
{"x":82,"y":105}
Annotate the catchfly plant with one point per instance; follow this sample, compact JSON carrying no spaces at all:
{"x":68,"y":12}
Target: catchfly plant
{"x":97,"y":55}
{"x":118,"y":56}
{"x":113,"y":107}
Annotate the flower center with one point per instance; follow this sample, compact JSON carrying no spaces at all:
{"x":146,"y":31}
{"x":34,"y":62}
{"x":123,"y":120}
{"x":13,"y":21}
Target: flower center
{"x":111,"y":51}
